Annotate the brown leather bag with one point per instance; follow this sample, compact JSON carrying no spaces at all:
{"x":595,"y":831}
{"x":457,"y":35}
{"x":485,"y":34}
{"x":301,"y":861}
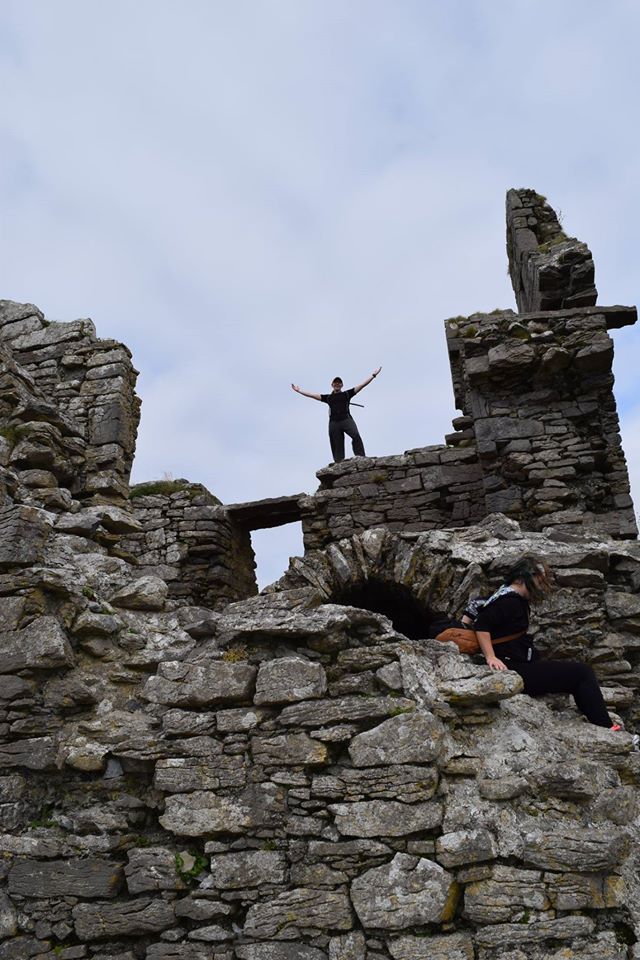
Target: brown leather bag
{"x":467,"y":640}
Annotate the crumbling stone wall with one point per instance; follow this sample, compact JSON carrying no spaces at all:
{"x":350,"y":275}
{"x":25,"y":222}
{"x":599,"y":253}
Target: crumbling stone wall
{"x":423,"y":489}
{"x":91,"y":382}
{"x":549,"y":270}
{"x":187,"y":538}
{"x":539,"y":390}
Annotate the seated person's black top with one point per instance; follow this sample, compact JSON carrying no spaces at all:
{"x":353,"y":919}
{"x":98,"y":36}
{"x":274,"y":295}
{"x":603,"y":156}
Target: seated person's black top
{"x":506,"y":615}
{"x":338,"y":403}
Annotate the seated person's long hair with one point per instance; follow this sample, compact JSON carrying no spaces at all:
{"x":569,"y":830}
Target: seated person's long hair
{"x":534,"y":573}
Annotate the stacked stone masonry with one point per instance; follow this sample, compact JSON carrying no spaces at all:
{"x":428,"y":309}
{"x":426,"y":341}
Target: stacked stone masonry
{"x":299,"y":775}
{"x":187,"y":538}
{"x":549,"y":270}
{"x":293,"y":778}
{"x":91,"y":385}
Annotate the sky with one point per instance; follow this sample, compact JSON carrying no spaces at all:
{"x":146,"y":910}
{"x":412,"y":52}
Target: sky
{"x":260,"y":192}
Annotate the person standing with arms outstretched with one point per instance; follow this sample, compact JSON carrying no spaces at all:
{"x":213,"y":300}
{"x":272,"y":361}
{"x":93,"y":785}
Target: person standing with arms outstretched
{"x":340,"y":420}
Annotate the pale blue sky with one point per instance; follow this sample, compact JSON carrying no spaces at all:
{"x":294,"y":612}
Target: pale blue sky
{"x":262,"y":191}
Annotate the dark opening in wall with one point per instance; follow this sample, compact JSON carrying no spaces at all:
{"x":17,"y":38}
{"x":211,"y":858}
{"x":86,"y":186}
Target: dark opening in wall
{"x":394,"y":600}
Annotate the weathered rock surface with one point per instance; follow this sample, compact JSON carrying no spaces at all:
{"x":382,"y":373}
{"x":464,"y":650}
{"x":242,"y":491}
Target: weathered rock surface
{"x":288,"y":913}
{"x":65,"y":878}
{"x":406,"y":892}
{"x":385,"y":818}
{"x":203,"y":812}
{"x":407,"y":738}
{"x":289,"y":679}
{"x":147,"y":593}
{"x":95,"y":921}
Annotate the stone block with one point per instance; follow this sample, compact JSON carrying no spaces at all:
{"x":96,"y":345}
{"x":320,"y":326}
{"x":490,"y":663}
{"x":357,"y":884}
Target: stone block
{"x":90,"y":878}
{"x":564,"y":928}
{"x":177,"y":951}
{"x":410,"y":784}
{"x":283,"y":915}
{"x":279,"y":951}
{"x":23,"y":533}
{"x":132,"y":918}
{"x":567,"y":848}
{"x":505,"y":894}
{"x":183,"y":774}
{"x":36,"y":753}
{"x":408,"y":891}
{"x":288,"y":749}
{"x":385,"y":818}
{"x":511,"y":357}
{"x":465,"y":846}
{"x":415,"y":737}
{"x":318,"y":713}
{"x":8,"y":917}
{"x":247,"y":868}
{"x":508,"y":428}
{"x":201,"y":813}
{"x":351,"y":946}
{"x":152,"y":868}
{"x":188,"y":685}
{"x":490,"y":688}
{"x":288,"y":680}
{"x":456,"y":946}
{"x":41,"y":645}
{"x":147,"y":593}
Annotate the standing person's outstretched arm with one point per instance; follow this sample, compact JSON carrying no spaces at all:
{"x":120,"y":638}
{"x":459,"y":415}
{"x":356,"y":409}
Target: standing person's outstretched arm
{"x":312,"y":396}
{"x":366,"y":382}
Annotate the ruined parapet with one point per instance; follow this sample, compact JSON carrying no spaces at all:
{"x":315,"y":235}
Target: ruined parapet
{"x":188,"y":539}
{"x":422,"y":489}
{"x":538,"y":388}
{"x":549,"y":270}
{"x":91,"y":384}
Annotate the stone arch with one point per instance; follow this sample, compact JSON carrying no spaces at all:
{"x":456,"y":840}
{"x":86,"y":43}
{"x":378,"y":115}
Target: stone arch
{"x":403,"y":577}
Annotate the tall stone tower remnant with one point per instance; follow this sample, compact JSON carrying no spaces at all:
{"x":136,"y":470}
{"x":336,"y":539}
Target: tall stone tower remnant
{"x":548,"y":269}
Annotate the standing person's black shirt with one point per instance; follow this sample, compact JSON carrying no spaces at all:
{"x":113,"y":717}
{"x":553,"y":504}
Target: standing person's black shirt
{"x":338,"y":403}
{"x":504,"y":616}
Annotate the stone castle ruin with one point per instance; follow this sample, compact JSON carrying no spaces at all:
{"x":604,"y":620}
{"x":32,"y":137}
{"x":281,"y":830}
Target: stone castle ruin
{"x":193,"y":771}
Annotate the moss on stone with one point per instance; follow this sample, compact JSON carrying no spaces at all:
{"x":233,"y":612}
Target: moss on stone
{"x":165,"y":488}
{"x":553,"y":242}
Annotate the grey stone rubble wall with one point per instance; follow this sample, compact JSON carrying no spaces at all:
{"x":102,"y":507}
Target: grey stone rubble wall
{"x":539,"y":391}
{"x":302,"y":782}
{"x":187,"y":539}
{"x":41,"y":451}
{"x":549,"y":271}
{"x":92,"y":384}
{"x":423,"y":489}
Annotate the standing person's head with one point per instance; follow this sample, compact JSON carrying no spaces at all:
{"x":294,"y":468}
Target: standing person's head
{"x":531,"y":572}
{"x":336,"y":384}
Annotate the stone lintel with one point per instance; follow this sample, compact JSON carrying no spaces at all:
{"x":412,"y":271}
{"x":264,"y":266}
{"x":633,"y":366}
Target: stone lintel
{"x":616,"y":316}
{"x":261,"y":514}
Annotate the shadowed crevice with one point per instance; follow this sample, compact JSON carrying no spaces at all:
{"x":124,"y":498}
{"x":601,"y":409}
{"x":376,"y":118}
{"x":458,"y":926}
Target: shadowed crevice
{"x":393,"y":600}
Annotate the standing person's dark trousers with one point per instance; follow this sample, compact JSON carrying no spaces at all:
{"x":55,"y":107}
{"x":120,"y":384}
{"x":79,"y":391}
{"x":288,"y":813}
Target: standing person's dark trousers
{"x":337,"y":430}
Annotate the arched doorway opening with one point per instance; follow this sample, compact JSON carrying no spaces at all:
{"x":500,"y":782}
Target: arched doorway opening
{"x":393,"y":600}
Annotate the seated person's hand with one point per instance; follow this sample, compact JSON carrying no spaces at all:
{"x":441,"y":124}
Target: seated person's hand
{"x":495,"y":664}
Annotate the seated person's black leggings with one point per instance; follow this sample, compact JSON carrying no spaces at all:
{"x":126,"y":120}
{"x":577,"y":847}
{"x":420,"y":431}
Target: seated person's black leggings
{"x":565,"y":676}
